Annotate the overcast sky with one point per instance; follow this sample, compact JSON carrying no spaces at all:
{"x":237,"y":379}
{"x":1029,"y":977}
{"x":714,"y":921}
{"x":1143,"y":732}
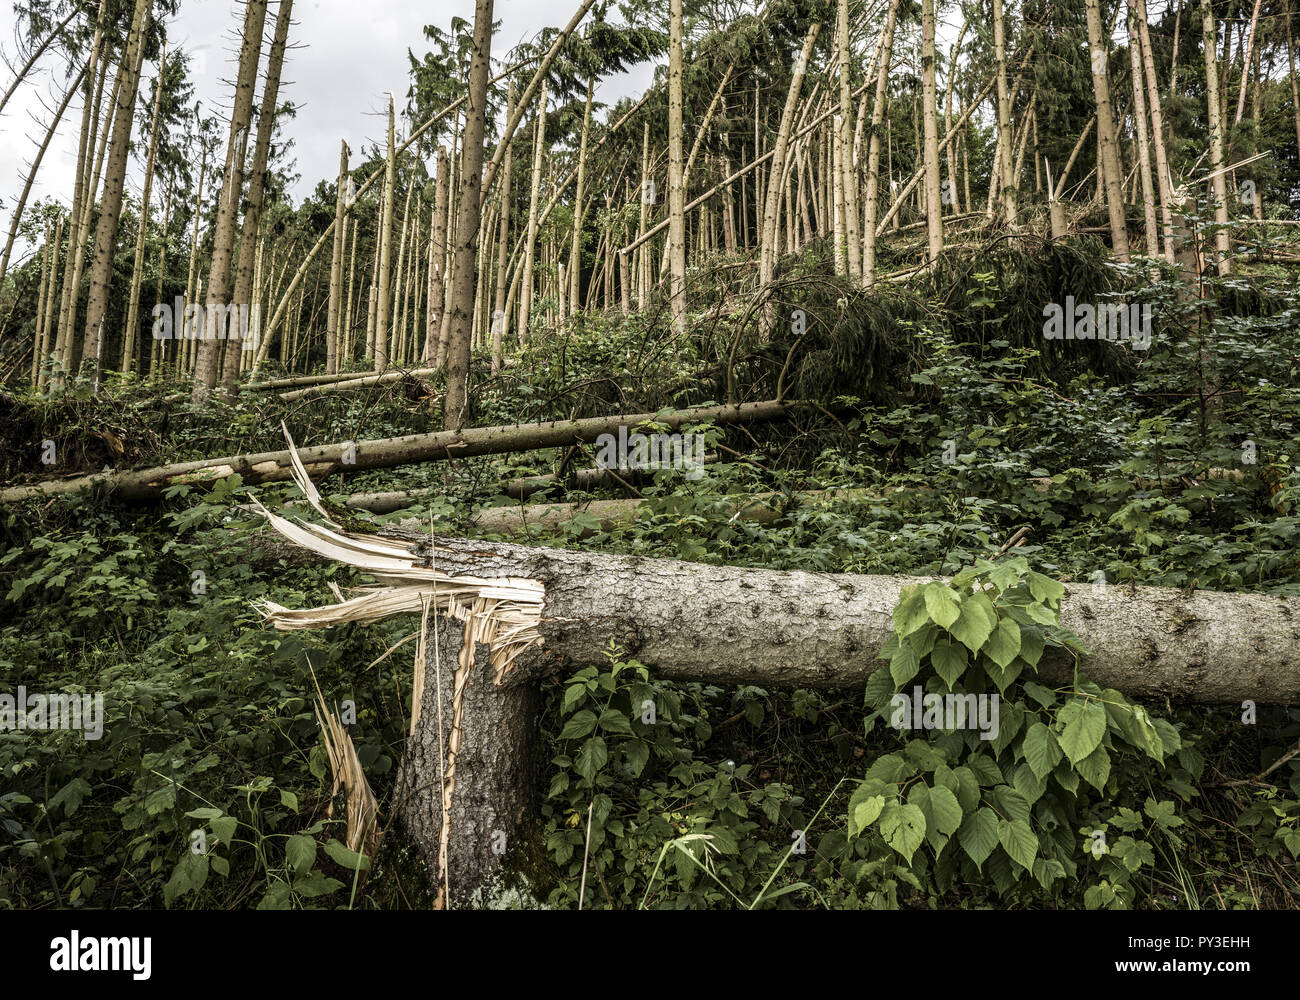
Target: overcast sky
{"x":345,"y":58}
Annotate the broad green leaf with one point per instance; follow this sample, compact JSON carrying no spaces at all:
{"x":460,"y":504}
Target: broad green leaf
{"x":911,"y":613}
{"x":579,"y":725}
{"x":1042,"y":753}
{"x":942,"y":604}
{"x":349,"y":859}
{"x":973,"y":627}
{"x":904,"y":665}
{"x":1004,"y":643}
{"x":865,"y":813}
{"x":591,"y":758}
{"x":903,"y":827}
{"x":979,"y":835}
{"x":1045,"y":589}
{"x":300,"y":852}
{"x":1084,"y":728}
{"x":945,"y":811}
{"x":1019,"y":841}
{"x":949,"y":660}
{"x":1095,"y":768}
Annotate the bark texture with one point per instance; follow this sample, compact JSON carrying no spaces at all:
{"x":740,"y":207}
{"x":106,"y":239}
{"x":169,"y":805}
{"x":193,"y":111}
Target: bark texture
{"x":739,"y":625}
{"x":495,"y":768}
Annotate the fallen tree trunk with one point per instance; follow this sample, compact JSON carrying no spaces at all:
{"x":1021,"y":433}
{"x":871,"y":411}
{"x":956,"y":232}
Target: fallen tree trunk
{"x":739,"y":625}
{"x":531,"y":611}
{"x":346,"y":385}
{"x":328,"y":459}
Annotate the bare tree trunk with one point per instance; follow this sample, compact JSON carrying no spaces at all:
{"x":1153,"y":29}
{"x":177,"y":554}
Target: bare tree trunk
{"x":1246,"y":64}
{"x":434,"y":348}
{"x":676,"y":192}
{"x":873,"y":148}
{"x":327,"y":460}
{"x":469,"y":216}
{"x":1219,"y":185}
{"x":530,"y":243}
{"x":137,"y":269}
{"x":772,"y":201}
{"x":336,"y":266}
{"x":1113,"y":178}
{"x":499,"y":300}
{"x":207,"y":367}
{"x":1006,"y":182}
{"x":930,"y":112}
{"x":257,"y":182}
{"x":386,"y":245}
{"x":1164,"y":180}
{"x":114,"y":182}
{"x":1295,"y":87}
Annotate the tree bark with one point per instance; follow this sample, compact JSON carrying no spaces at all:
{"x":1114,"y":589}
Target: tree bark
{"x":495,"y":770}
{"x":1218,"y":184}
{"x":257,"y":183}
{"x":207,"y":365}
{"x":114,"y":182}
{"x":1112,"y":175}
{"x":464,"y":287}
{"x":930,"y":113}
{"x":322,"y":460}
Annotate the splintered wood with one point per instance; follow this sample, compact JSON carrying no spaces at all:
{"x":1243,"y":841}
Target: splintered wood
{"x":501,"y":613}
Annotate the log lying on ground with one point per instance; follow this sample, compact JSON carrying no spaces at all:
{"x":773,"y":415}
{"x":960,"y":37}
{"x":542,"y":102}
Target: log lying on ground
{"x":346,"y":385}
{"x":737,"y":625}
{"x":529,"y":611}
{"x":328,"y":459}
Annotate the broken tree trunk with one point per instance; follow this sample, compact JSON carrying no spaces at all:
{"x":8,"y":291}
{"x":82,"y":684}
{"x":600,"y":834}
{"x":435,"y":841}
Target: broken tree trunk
{"x":530,"y":611}
{"x":328,"y":459}
{"x":494,"y":766}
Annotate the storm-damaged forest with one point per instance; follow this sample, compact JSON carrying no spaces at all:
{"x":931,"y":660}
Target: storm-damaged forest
{"x":735,"y":454}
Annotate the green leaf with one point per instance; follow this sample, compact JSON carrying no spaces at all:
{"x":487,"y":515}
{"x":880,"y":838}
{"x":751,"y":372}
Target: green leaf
{"x":636,"y":754}
{"x":866,"y":812}
{"x":573,"y":696}
{"x":1004,"y":643}
{"x":949,"y":660}
{"x":224,"y":827}
{"x":903,"y":827}
{"x":288,"y":799}
{"x":591,"y":758}
{"x":1031,"y":645}
{"x":1004,"y":576}
{"x":1042,"y":753}
{"x":978,"y":836}
{"x":614,"y":721}
{"x":904,"y":665}
{"x":910,"y":614}
{"x":973,"y":627}
{"x":1045,"y":589}
{"x":1019,"y":841}
{"x":300,"y":852}
{"x":942,"y":604}
{"x":1085,"y":725}
{"x":579,"y":725}
{"x":349,"y":859}
{"x":945,"y":811}
{"x":1095,"y":768}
